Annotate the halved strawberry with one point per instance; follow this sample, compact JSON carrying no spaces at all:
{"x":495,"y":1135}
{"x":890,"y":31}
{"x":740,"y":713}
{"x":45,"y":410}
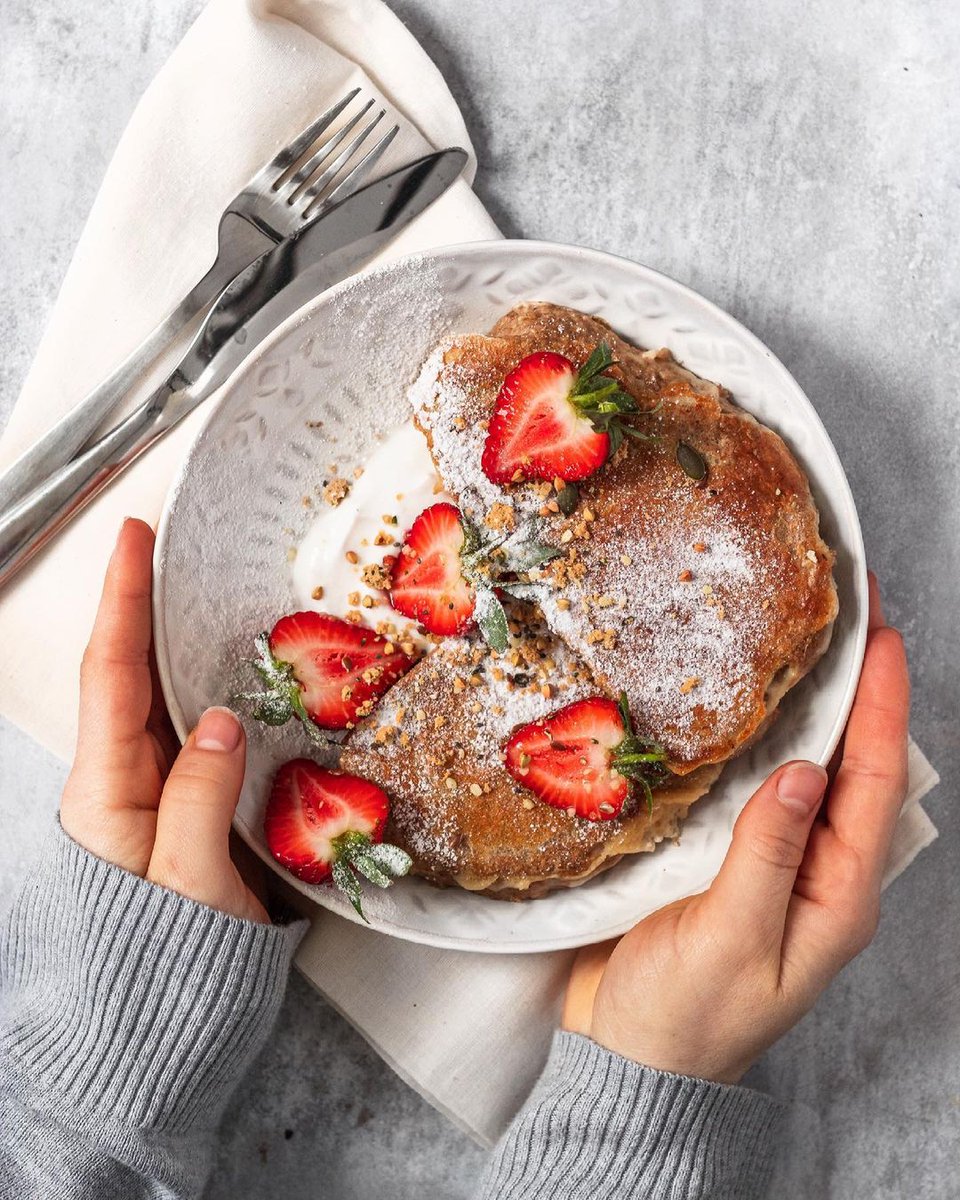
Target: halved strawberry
{"x":581,"y":758}
{"x":552,"y":421}
{"x":325,"y":671}
{"x":320,"y":824}
{"x":428,"y":584}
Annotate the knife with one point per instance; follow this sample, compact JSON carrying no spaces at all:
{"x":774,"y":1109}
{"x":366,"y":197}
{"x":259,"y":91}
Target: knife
{"x":254,"y":304}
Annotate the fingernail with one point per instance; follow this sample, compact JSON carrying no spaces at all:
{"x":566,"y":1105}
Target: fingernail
{"x":801,"y":786}
{"x":218,"y":730}
{"x":123,"y":524}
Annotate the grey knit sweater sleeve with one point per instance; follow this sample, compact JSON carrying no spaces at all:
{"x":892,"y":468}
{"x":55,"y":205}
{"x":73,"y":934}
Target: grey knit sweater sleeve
{"x":129,"y":1014}
{"x":599,"y":1127}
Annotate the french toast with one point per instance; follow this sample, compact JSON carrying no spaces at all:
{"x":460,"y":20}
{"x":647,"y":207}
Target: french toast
{"x":434,"y":745}
{"x":705,"y":600}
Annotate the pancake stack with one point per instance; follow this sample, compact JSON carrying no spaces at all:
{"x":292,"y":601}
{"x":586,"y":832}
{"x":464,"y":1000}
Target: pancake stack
{"x":691,"y":576}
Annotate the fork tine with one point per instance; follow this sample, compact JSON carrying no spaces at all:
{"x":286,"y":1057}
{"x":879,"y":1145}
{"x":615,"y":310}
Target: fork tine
{"x":310,"y":194}
{"x":285,"y":158}
{"x":323,"y":152}
{"x":352,"y":180}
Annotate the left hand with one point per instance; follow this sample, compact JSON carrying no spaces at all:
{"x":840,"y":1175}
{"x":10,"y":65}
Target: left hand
{"x":131,"y":798}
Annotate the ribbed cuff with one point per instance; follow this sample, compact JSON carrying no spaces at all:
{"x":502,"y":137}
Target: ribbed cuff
{"x":598,"y":1125}
{"x":124,"y":998}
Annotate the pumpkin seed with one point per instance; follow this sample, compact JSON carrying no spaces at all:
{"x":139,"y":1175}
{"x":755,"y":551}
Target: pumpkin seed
{"x":691,"y":462}
{"x":568,"y":498}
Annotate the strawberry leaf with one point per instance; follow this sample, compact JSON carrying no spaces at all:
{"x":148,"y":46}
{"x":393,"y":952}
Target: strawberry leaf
{"x":281,"y":698}
{"x":390,"y":858}
{"x":349,"y":884}
{"x":639,"y":759}
{"x":524,"y":556}
{"x":370,"y":870}
{"x":492,"y":620}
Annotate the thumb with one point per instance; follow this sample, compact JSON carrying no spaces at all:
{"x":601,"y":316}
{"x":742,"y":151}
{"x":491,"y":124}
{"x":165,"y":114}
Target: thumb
{"x":769,"y":839}
{"x":191,"y":853}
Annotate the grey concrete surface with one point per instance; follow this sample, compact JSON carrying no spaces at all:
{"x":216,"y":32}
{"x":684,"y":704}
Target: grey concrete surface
{"x":796,"y":164}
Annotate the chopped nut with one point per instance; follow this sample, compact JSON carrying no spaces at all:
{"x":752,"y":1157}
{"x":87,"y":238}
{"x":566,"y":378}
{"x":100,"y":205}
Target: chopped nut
{"x":476,"y":789}
{"x":566,"y":536}
{"x":626,"y":560}
{"x":421,"y":714}
{"x":367,"y":602}
{"x":707,"y":589}
{"x":546,"y":691}
{"x":689,"y":684}
{"x":439,"y":722}
{"x":388,"y":647}
{"x":389,"y":518}
{"x":375,"y":575}
{"x":383,"y":538}
{"x":812,"y":555}
{"x":335,"y":491}
{"x":563,"y":604}
{"x":451,"y":783}
{"x":685,"y":576}
{"x":353,"y":598}
{"x":408,"y":648}
{"x":588,"y":515}
{"x":500,"y":516}
{"x":699,"y":547}
{"x":317,"y":593}
{"x":291,"y":553}
{"x":527,"y":803}
{"x":458,"y":684}
{"x":352,"y":557}
{"x":459,"y":423}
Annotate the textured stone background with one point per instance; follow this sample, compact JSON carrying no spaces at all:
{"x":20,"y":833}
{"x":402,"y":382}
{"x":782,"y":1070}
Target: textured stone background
{"x":796,"y":164}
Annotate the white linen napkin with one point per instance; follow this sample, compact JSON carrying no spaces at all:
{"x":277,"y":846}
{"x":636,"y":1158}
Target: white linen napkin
{"x":470,"y":1032}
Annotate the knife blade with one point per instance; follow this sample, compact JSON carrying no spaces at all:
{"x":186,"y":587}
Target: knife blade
{"x":247,"y":311}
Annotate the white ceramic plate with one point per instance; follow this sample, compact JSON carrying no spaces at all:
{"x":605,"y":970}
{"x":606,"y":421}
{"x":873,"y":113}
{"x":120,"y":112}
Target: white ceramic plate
{"x":346,"y":359}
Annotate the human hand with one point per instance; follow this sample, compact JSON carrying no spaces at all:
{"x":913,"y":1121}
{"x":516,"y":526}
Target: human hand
{"x":131,"y":798}
{"x":705,"y":985}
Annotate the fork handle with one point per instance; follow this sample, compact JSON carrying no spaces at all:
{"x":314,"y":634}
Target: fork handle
{"x":240,"y":244}
{"x":30,"y":523}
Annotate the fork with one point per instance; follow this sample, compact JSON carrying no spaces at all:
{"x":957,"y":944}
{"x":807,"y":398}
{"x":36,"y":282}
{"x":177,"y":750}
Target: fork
{"x":302,"y":180}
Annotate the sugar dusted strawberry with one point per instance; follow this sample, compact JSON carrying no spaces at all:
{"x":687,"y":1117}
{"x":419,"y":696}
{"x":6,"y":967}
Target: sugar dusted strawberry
{"x":552,"y":421}
{"x":428,"y":584}
{"x":327,"y":672}
{"x":583,"y":757}
{"x":320,"y":824}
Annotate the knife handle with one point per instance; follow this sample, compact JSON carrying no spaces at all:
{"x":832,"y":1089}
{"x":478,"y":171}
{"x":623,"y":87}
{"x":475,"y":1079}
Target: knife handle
{"x":29,"y":524}
{"x":239,"y":245}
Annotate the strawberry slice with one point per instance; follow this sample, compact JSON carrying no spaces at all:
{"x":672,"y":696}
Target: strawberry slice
{"x":582,"y":757}
{"x":552,"y":421}
{"x":428,"y":584}
{"x":324,"y":671}
{"x":320,"y":825}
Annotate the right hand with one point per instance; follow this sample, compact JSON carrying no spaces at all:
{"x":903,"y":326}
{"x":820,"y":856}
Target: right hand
{"x":704,"y":986}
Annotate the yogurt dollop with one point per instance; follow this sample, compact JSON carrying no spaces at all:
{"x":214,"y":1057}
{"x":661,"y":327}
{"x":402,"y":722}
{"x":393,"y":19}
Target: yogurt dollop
{"x":399,"y":480}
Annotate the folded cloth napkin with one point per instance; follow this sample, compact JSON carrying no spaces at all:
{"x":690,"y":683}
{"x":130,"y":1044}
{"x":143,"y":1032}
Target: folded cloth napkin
{"x":470,"y":1032}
